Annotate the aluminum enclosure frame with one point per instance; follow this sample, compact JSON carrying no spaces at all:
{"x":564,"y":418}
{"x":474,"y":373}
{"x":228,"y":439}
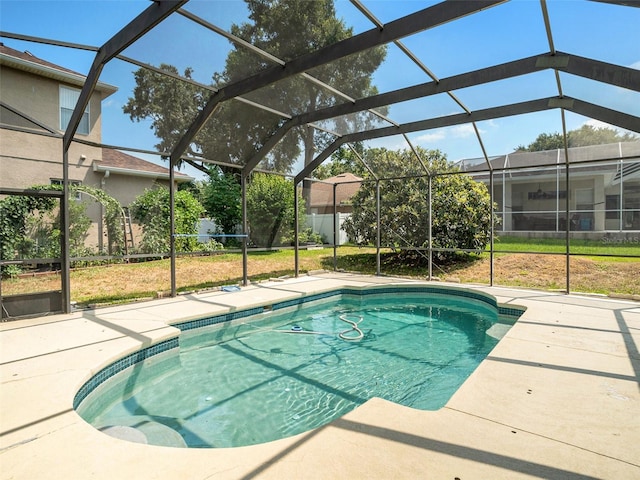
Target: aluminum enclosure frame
{"x":381,"y":34}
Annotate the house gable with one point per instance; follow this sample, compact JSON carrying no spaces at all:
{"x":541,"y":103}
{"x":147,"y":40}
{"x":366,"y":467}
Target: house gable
{"x":32,"y":87}
{"x":120,"y":163}
{"x":28,"y":62}
{"x":321,"y":192}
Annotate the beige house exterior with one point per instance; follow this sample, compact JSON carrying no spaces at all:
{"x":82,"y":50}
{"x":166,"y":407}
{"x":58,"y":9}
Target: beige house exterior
{"x":321,"y":217}
{"x":321,"y":194}
{"x":603,"y":193}
{"x":36,"y":99}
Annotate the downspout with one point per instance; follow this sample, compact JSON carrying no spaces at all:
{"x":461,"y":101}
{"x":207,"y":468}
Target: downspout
{"x":65,"y":266}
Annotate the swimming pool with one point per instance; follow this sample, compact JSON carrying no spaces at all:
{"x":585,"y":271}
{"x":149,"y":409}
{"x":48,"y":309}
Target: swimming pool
{"x":288,"y":368}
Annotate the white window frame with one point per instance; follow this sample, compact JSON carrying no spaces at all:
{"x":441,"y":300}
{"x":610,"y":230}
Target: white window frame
{"x":67,"y":96}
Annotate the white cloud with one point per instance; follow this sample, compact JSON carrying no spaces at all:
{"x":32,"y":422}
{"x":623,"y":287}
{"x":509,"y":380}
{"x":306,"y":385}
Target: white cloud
{"x":491,"y":123}
{"x":390,"y":143}
{"x":635,"y":65}
{"x":456,"y":131}
{"x":462,"y":131}
{"x":598,"y":124}
{"x":431,"y":137}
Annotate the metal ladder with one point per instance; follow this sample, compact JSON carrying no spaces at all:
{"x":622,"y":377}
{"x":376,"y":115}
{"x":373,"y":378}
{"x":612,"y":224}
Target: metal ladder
{"x":127,"y":228}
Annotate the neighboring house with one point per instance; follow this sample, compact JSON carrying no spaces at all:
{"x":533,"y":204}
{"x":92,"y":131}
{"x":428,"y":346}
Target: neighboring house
{"x":321,"y":201}
{"x":124,"y":176}
{"x":603,"y":193}
{"x":36,"y":102}
{"x":321,"y":193}
{"x":604,"y":190}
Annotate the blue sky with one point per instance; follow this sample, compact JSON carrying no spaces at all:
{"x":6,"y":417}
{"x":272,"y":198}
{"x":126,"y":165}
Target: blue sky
{"x":601,"y":31}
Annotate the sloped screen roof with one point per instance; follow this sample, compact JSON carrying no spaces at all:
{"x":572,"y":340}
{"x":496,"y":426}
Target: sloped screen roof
{"x":466,"y":77}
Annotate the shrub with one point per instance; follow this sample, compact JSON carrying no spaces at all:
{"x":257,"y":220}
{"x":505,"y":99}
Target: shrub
{"x":270,"y":208}
{"x":151,"y":209}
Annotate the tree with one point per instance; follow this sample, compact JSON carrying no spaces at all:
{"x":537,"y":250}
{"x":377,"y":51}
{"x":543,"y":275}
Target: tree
{"x":151,"y":209}
{"x":544,"y":141}
{"x":222,"y":199}
{"x":270,"y":209}
{"x":584,"y":136}
{"x":283,"y":28}
{"x":170,"y":104}
{"x":589,"y":135}
{"x":289,"y":29}
{"x":461,"y":206}
{"x":343,"y":160}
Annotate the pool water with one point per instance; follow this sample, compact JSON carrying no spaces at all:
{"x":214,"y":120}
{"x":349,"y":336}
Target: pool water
{"x":286,"y":373}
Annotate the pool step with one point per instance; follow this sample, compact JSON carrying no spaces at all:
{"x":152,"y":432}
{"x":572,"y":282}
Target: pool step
{"x":140,"y":429}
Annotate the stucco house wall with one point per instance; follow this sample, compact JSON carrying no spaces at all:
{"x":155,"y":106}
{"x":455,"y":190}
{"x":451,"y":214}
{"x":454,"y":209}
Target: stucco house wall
{"x":38,"y":97}
{"x":31,"y":146}
{"x":604,"y":192}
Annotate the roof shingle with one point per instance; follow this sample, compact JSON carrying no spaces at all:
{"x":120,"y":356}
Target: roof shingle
{"x":117,"y":159}
{"x":322,"y":192}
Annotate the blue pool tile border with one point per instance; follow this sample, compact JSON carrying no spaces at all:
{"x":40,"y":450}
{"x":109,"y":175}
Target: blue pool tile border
{"x":510,"y":311}
{"x":166,"y":345}
{"x":119,"y":365}
{"x":225,"y":317}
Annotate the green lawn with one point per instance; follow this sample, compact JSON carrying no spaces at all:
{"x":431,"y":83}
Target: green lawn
{"x":116,"y":282}
{"x":579,"y":247}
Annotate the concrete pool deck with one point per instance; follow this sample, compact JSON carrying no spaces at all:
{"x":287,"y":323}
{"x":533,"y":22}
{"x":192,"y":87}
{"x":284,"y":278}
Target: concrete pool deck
{"x":558,"y":397}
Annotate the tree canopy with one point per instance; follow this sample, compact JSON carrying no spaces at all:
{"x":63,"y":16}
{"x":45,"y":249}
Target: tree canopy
{"x":221,"y":197}
{"x":343,"y":160}
{"x":270,"y":209}
{"x":461,"y":215}
{"x":584,"y":136}
{"x":169,"y":103}
{"x":285,"y":29}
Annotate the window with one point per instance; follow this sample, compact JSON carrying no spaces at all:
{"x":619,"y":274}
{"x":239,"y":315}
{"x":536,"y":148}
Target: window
{"x":68,"y":99}
{"x":584,"y":215}
{"x":612,"y":207}
{"x":547,"y":195}
{"x":75,"y":183}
